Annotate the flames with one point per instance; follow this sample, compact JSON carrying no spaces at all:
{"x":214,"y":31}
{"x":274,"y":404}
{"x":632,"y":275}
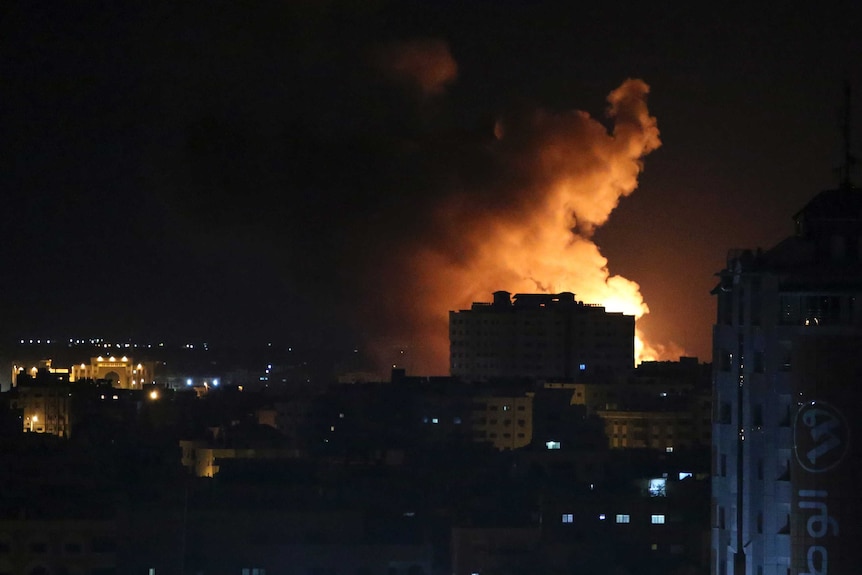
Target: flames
{"x":525,"y":223}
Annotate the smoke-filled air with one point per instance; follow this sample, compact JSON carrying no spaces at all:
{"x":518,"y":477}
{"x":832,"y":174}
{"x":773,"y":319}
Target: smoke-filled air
{"x":524,"y":222}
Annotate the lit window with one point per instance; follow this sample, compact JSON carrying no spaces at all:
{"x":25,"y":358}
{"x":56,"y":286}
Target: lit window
{"x":568,"y":518}
{"x":602,"y":516}
{"x":657,"y":487}
{"x":582,"y":367}
{"x":668,"y":449}
{"x":621,"y":518}
{"x":657,"y":519}
{"x":552,"y":444}
{"x":435,"y":421}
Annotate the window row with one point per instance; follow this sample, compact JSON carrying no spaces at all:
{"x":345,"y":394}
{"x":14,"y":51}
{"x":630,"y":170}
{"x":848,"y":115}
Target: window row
{"x":655,"y":519}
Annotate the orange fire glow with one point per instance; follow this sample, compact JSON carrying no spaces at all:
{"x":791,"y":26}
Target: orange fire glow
{"x":558,"y":177}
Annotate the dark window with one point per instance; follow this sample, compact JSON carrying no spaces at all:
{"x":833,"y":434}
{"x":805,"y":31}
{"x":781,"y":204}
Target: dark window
{"x":789,"y":310}
{"x":757,"y":416}
{"x":104,"y":545}
{"x":759,"y":366}
{"x":725,"y":358}
{"x":38,"y":547}
{"x":785,"y":357}
{"x":755,"y":301}
{"x":72,"y":548}
{"x":724,"y":412}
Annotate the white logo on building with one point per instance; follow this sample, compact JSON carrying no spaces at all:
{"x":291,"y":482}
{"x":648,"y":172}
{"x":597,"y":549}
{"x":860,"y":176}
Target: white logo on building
{"x":821,"y":437}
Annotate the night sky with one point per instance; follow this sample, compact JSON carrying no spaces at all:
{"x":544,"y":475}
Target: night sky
{"x":291,"y":173}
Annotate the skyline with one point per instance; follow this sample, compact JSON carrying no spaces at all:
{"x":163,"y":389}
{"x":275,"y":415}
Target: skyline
{"x":274,"y":173}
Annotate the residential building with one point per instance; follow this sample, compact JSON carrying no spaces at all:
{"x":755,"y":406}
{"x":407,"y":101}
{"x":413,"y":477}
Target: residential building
{"x":506,"y":422}
{"x":540,"y":336}
{"x":786,"y":346}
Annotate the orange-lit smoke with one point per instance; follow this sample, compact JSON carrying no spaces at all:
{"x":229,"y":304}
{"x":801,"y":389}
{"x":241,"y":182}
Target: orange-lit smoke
{"x":427,"y":64}
{"x":557,"y":177}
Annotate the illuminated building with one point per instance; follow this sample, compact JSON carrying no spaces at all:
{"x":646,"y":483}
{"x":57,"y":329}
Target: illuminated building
{"x":787,"y":357}
{"x":662,"y":430}
{"x":664,"y":405}
{"x":547,"y":336}
{"x":44,"y":408}
{"x":44,"y":369}
{"x":122,"y":372}
{"x":504,"y":422}
{"x":42,"y":395}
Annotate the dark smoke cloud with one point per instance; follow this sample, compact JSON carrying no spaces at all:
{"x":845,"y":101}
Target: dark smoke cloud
{"x":510,"y":209}
{"x":366,"y":213}
{"x":427,"y":64}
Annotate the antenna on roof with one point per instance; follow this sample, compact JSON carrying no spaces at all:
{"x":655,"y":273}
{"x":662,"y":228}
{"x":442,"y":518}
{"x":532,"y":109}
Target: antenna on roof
{"x":846,"y":168}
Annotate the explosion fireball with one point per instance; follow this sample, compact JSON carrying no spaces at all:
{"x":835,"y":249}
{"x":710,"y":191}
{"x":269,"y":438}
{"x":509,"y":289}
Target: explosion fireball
{"x":526,"y":224}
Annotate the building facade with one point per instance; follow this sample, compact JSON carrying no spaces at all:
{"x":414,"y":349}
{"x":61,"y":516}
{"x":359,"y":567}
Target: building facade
{"x":542,"y":336}
{"x":44,"y":408}
{"x":506,"y":422}
{"x":122,"y":372}
{"x":786,"y":345}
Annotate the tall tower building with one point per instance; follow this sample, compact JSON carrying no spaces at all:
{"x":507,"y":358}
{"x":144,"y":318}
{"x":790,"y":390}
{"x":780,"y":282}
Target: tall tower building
{"x":787,"y":422}
{"x":543,"y":336}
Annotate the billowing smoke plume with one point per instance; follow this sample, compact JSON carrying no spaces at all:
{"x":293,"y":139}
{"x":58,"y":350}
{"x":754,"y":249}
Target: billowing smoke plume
{"x":387,"y":198}
{"x":522,"y":222}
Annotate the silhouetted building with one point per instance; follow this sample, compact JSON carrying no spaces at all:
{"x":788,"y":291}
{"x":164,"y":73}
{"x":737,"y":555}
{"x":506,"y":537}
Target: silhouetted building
{"x":42,"y":399}
{"x":787,"y":356}
{"x":542,"y":336}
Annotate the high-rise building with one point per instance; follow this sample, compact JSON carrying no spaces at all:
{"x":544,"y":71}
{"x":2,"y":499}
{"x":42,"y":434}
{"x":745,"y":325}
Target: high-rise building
{"x":541,"y":336}
{"x":787,"y":345}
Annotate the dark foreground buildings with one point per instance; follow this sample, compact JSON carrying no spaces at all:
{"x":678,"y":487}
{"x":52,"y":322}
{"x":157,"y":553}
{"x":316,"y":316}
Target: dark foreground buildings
{"x":787,"y":464}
